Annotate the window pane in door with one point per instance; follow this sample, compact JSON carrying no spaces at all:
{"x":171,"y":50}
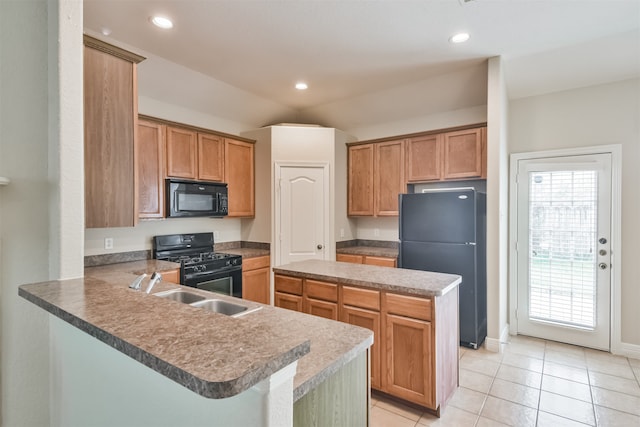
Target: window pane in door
{"x":562,"y":240}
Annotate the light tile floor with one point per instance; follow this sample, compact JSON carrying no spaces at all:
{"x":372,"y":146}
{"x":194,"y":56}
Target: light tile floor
{"x":532,"y":382}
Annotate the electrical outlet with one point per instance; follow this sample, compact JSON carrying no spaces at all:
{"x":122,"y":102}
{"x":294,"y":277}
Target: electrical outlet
{"x":108,"y":242}
{"x":342,"y":232}
{"x":216,"y":235}
{"x":376,"y":232}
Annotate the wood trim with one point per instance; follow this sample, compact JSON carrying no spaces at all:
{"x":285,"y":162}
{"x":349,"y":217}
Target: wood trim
{"x":418,"y":134}
{"x":136,"y":144}
{"x":103,"y":46}
{"x":197,"y":129}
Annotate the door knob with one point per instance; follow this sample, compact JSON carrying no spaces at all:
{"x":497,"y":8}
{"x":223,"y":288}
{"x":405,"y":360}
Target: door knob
{"x":602,"y":240}
{"x":602,"y":266}
{"x":319,"y":246}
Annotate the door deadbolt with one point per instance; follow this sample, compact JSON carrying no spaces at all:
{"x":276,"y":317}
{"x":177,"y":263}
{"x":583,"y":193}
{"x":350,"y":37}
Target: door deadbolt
{"x":602,"y":240}
{"x":602,"y":266}
{"x":319,"y":246}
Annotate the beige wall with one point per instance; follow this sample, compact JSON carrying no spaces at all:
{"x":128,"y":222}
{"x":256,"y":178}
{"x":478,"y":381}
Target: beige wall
{"x":597,"y":115}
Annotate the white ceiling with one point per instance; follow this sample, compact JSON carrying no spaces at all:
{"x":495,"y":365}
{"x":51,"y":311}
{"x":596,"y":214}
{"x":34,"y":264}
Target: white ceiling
{"x":347,"y":48}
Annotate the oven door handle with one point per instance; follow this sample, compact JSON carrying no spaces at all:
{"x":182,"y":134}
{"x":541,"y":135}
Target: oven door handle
{"x":213,"y":273}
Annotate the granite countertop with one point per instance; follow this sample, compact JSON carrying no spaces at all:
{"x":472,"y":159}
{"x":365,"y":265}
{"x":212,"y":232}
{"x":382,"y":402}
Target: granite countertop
{"x":413,"y":282}
{"x":214,"y":355}
{"x":247,"y":252}
{"x":369,"y":250}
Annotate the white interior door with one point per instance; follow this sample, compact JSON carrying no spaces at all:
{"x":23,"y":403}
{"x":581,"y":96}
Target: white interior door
{"x":302,"y":214}
{"x":564,"y":250}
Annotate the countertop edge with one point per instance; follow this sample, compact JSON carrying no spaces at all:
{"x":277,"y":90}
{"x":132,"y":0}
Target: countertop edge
{"x":368,"y":284}
{"x":207,"y":389}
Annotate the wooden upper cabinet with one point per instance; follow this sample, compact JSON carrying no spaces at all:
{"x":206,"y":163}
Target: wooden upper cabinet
{"x":389,"y":177}
{"x":182,"y":153}
{"x":424,"y":158}
{"x":462,"y":154}
{"x":239,"y":176}
{"x":447,"y":156}
{"x":150,"y":169}
{"x":210,"y":157}
{"x":110,"y":135}
{"x":360,"y":180}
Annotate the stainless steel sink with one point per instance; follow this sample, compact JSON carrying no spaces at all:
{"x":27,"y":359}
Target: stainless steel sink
{"x":180,"y":296}
{"x":220,"y":306}
{"x":214,"y":305}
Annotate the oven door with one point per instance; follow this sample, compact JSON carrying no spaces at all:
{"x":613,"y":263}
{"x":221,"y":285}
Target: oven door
{"x":227,"y":282}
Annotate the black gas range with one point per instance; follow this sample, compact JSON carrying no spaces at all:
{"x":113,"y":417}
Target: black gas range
{"x":200,"y":266}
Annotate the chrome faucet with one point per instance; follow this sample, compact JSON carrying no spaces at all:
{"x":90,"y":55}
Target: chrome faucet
{"x":135,"y":285}
{"x":155,"y":278}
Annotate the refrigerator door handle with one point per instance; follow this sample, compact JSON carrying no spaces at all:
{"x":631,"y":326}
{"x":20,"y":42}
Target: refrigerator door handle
{"x":470,"y":243}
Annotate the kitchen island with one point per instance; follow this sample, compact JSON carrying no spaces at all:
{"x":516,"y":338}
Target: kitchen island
{"x":413,"y":314}
{"x":206,"y":368}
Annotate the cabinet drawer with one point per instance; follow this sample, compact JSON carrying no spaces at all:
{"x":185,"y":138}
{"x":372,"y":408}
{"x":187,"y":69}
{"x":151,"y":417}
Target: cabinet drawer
{"x":255,"y":263}
{"x":355,"y":259}
{"x":289,"y":285}
{"x":380,"y":260}
{"x":418,"y":308}
{"x":321,"y":290}
{"x":363,"y":298}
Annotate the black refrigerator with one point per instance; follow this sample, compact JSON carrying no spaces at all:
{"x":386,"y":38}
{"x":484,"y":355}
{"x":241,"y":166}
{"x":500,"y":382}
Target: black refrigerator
{"x":444,"y":230}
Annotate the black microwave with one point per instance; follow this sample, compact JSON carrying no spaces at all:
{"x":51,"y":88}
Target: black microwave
{"x":196,"y":199}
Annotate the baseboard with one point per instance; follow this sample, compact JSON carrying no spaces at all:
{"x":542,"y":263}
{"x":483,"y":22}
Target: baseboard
{"x":628,"y":350}
{"x":493,"y":344}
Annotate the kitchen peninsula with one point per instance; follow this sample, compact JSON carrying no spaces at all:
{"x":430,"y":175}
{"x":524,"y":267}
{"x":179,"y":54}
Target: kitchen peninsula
{"x":264,"y":368}
{"x":414,"y":316}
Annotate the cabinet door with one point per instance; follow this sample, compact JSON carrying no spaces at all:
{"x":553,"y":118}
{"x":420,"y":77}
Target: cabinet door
{"x":424,"y":158}
{"x":380,"y":260}
{"x":210,"y":157}
{"x":110,"y":116}
{"x":150,"y":169}
{"x":370,"y":320}
{"x":255,"y":285}
{"x":326,"y":309}
{"x":389,"y":177}
{"x":462,"y":152}
{"x":239,"y":175}
{"x":354,"y":259}
{"x":182,"y":152}
{"x":360,"y":170}
{"x":288,"y":301}
{"x":409,"y":371}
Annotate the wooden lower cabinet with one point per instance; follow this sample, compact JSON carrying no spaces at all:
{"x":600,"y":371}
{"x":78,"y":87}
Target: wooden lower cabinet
{"x":409,"y":371}
{"x":256,"y":279}
{"x":367,"y":259}
{"x":326,"y":309}
{"x":171,"y":276}
{"x":288,"y":301}
{"x":415,"y":348}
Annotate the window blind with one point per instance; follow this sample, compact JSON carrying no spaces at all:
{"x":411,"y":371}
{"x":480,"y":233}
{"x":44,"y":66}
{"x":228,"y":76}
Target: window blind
{"x":562,"y":245}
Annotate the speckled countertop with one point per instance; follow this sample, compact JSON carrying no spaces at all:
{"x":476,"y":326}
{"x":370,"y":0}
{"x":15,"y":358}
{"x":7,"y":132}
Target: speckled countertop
{"x":211,"y":354}
{"x":414,"y":282}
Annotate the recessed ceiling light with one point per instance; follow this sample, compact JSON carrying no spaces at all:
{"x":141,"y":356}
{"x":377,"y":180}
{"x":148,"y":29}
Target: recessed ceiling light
{"x":106,"y":31}
{"x":301,"y":86}
{"x":459,"y":38}
{"x":162,"y":22}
